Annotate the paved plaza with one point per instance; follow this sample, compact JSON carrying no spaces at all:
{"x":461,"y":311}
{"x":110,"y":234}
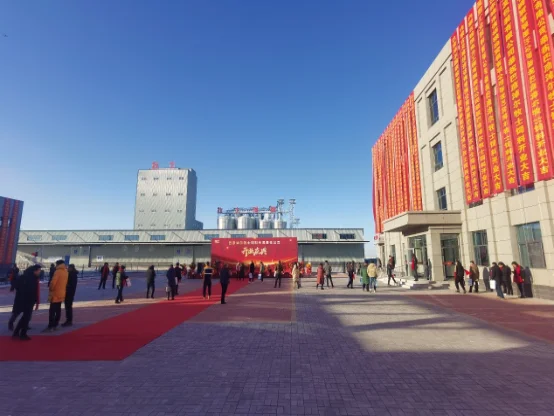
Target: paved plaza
{"x":301,"y":352}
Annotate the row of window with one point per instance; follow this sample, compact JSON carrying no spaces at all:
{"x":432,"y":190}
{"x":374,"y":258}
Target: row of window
{"x":144,"y":178}
{"x":529,"y":241}
{"x":166,"y":194}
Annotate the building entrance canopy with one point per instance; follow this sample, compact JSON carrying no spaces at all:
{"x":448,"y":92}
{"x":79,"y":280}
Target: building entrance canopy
{"x":413,"y":221}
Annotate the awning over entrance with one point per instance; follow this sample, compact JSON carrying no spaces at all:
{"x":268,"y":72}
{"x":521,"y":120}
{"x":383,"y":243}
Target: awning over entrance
{"x":412,"y":221}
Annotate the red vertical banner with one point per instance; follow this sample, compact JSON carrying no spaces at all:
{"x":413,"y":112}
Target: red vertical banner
{"x":522,"y":150}
{"x":399,"y":161}
{"x":480,"y":130}
{"x":488,"y":97}
{"x":470,"y":134}
{"x":406,"y":170}
{"x":382,"y":178}
{"x":4,"y":229}
{"x":531,"y":70}
{"x":504,"y":105}
{"x":374,"y":186}
{"x":543,"y":148}
{"x":461,"y":115}
{"x":12,"y":236}
{"x":415,"y":156}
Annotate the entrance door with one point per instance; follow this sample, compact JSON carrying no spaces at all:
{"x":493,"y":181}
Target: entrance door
{"x":450,"y":253}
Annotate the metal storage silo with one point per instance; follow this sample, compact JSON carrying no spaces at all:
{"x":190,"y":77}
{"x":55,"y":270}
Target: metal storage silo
{"x":266,"y":224}
{"x":280,"y":224}
{"x":245,"y":223}
{"x":226,"y":222}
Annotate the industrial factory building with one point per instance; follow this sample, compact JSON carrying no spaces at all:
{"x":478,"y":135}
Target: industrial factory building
{"x":465,"y":170}
{"x":139,"y":249}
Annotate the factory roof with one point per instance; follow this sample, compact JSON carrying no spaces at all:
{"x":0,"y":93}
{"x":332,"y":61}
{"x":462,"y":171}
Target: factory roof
{"x":180,"y":237}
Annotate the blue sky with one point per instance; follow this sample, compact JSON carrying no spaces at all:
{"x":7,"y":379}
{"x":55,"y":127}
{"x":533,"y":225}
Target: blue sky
{"x":265,"y":100}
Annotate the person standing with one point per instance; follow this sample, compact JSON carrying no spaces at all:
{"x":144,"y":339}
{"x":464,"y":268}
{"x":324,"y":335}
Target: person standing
{"x":296,"y":275}
{"x":518,"y":278}
{"x":150,"y":282}
{"x":56,"y":296}
{"x":278,"y":274}
{"x":506,"y":278}
{"x":350,"y":271}
{"x":496,"y":277}
{"x":372,"y":274}
{"x":114,"y":274}
{"x":390,"y":270}
{"x":262,"y":271}
{"x":207,"y":283}
{"x":474,"y":276}
{"x":13,"y":274}
{"x":51,"y":273}
{"x":120,"y":280}
{"x":178,"y":276}
{"x":71,"y":288}
{"x":242,"y":271}
{"x":104,"y":274}
{"x":460,"y":276}
{"x":365,"y":276}
{"x":224,"y":277}
{"x":171,"y":282}
{"x":320,"y":276}
{"x":414,"y":267}
{"x":27,"y":295}
{"x":327,"y":269}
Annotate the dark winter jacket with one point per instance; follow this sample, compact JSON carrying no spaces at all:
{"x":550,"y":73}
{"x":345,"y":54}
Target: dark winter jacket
{"x":224,"y":276}
{"x":27,"y":290}
{"x":71,"y":287}
{"x":105,"y":272}
{"x":170,"y":277}
{"x":460,"y":271}
{"x":150,"y":276}
{"x":496,"y":274}
{"x":208,"y":272}
{"x":506,"y":274}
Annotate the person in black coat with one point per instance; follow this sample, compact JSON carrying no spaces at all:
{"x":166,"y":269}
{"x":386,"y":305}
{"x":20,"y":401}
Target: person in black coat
{"x":224,"y":277}
{"x":178,"y":275}
{"x":506,"y":278}
{"x":71,"y":288}
{"x":171,"y":284}
{"x":150,"y":281}
{"x":27,"y":296}
{"x":496,"y":275}
{"x":114,"y":273}
{"x":460,"y":274}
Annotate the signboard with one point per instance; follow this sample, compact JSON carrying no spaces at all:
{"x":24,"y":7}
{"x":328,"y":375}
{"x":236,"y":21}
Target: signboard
{"x":246,"y":250}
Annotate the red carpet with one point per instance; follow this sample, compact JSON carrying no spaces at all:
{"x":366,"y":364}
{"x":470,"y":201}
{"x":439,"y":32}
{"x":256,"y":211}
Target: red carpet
{"x":115,"y":338}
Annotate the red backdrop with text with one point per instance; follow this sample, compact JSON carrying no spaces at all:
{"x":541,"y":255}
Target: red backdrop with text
{"x":246,"y":250}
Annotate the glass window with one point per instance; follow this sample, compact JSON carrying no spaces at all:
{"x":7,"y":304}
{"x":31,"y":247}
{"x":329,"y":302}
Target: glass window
{"x":132,"y":237}
{"x":153,"y":210}
{"x":142,"y":194}
{"x":392,"y":251}
{"x":531,"y":250}
{"x":181,"y":194}
{"x":266,"y":235}
{"x":437,"y":156}
{"x":154,"y":194}
{"x":319,"y":236}
{"x":181,"y":178}
{"x":522,"y":189}
{"x":210,"y":236}
{"x":480,"y":248}
{"x":143,"y":178}
{"x":441,"y":198}
{"x":433,"y":102}
{"x":105,"y":237}
{"x":156,"y":179}
{"x":59,"y":237}
{"x":169,"y":178}
{"x":179,"y":210}
{"x":157,"y":237}
{"x":168,"y":194}
{"x":347,"y":236}
{"x":34,"y":238}
{"x":238,"y":236}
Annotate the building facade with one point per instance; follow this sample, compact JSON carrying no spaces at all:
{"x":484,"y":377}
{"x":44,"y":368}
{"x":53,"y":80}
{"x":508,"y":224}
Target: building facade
{"x":465,"y":170}
{"x":166,"y":199}
{"x":140,"y":249}
{"x":10,"y":221}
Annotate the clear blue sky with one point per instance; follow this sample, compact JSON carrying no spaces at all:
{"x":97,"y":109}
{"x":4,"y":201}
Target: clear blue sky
{"x":263,"y":99}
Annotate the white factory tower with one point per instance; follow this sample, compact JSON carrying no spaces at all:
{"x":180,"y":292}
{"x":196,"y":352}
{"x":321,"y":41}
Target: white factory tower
{"x":166,"y":199}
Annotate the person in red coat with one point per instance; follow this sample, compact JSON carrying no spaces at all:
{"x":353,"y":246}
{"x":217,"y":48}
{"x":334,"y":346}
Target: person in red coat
{"x":518,"y":278}
{"x":320,"y":276}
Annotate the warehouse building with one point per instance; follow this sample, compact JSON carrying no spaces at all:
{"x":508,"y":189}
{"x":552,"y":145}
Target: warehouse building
{"x":138,"y":249}
{"x":464,"y":170}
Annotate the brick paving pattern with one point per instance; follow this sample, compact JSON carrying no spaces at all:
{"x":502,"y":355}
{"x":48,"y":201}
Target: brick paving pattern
{"x":343,"y":352}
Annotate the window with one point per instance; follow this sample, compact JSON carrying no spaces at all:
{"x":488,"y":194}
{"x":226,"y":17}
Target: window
{"x":531,"y":250}
{"x":476,"y":204}
{"x":141,"y":210}
{"x":169,"y":178}
{"x":156,"y":179}
{"x":266,"y":235}
{"x":441,"y":198}
{"x":154,"y":194}
{"x":152,"y":225}
{"x":132,"y":237}
{"x":178,"y":226}
{"x":140,"y":225}
{"x":181,"y":194}
{"x":105,"y":237}
{"x":392,"y":251}
{"x":433,"y":103}
{"x":166,"y":225}
{"x":143,"y":178}
{"x":437,"y":156}
{"x":59,"y":237}
{"x":153,"y":210}
{"x":142,"y":194}
{"x":347,"y":236}
{"x":157,"y":237}
{"x":167,"y":210}
{"x":210,"y":236}
{"x":168,"y":194}
{"x":481,"y":248}
{"x":523,"y":189}
{"x":179,"y":210}
{"x":181,"y":178}
{"x":239,"y":235}
{"x":34,"y":238}
{"x":319,"y":236}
